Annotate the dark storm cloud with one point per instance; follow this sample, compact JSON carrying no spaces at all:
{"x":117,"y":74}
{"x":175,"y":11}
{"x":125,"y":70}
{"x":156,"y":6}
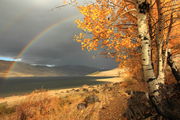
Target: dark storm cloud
{"x":21,"y":21}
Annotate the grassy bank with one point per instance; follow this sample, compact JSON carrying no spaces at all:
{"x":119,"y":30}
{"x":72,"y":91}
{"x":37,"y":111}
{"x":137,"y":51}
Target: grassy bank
{"x":100,"y":102}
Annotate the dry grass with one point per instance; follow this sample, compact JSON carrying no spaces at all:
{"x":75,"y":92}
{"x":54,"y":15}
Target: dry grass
{"x":5,"y":109}
{"x":40,"y":105}
{"x":37,"y":106}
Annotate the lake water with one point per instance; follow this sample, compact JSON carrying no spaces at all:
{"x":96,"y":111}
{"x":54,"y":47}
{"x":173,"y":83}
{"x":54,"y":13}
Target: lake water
{"x":17,"y":86}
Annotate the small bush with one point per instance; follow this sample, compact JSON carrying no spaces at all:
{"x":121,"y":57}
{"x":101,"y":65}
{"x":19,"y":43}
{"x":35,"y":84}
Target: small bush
{"x":4,"y":109}
{"x":38,"y":107}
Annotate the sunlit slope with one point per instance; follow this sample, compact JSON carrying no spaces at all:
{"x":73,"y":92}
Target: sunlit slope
{"x":4,"y":66}
{"x":114,"y":72}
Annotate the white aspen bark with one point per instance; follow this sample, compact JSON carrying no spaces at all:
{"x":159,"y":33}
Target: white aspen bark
{"x":148,"y":72}
{"x":160,"y":41}
{"x":161,"y":75}
{"x":149,"y":76}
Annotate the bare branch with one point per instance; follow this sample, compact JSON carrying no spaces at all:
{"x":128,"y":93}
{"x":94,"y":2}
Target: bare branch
{"x":165,"y":3}
{"x":170,"y":6}
{"x":174,"y":18}
{"x":128,"y":11}
{"x":154,"y":34}
{"x":69,"y":3}
{"x":173,"y":9}
{"x":167,"y":40}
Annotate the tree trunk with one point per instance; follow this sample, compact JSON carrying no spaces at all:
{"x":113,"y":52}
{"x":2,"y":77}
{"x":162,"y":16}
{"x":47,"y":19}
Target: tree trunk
{"x":160,"y":101}
{"x":160,"y":41}
{"x":148,"y":73}
{"x":154,"y":83}
{"x":174,"y":68}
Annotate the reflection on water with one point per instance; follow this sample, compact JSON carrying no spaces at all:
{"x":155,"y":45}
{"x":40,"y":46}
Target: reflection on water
{"x":15,"y":86}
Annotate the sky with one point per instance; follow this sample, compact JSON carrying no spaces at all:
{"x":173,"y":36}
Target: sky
{"x":50,"y":29}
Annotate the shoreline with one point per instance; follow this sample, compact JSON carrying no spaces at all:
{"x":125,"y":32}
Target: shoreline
{"x":17,"y":99}
{"x":81,"y":80}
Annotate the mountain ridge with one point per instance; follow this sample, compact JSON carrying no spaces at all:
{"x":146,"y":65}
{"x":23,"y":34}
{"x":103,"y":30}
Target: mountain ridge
{"x":22,"y":69}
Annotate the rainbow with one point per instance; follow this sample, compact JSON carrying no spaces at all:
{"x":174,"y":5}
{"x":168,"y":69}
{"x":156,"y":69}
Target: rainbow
{"x":37,"y":37}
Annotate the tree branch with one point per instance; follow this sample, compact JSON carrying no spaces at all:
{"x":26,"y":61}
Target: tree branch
{"x":167,"y":41}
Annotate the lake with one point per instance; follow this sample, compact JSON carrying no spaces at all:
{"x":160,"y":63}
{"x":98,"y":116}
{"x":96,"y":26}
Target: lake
{"x":17,"y":86}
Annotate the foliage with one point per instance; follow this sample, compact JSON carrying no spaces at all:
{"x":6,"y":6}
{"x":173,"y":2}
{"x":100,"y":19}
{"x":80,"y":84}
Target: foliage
{"x":164,"y":27}
{"x":111,"y":26}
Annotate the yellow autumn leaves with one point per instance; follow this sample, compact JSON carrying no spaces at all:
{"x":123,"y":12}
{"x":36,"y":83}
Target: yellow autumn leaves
{"x":95,"y":19}
{"x":101,"y":30}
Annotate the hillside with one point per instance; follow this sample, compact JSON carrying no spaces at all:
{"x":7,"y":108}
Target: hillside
{"x":26,"y":70}
{"x":4,"y":65}
{"x":114,"y":72}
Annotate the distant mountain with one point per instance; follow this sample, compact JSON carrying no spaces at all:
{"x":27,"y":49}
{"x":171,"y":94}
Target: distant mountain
{"x":26,"y":70}
{"x":4,"y":65}
{"x":76,"y":69}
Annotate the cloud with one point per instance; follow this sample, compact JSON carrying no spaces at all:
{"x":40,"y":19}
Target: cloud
{"x":10,"y":59}
{"x":23,"y":20}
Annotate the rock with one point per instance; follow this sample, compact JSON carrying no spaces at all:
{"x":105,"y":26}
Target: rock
{"x":67,"y":91}
{"x":103,"y":107}
{"x":95,"y":90}
{"x":107,"y":89}
{"x":169,"y":106}
{"x":91,"y":99}
{"x":139,"y":106}
{"x":81,"y":106}
{"x":110,"y":89}
{"x":85,"y":90}
{"x":116,"y":84}
{"x":88,"y":100}
{"x":130,"y":92}
{"x":77,"y":90}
